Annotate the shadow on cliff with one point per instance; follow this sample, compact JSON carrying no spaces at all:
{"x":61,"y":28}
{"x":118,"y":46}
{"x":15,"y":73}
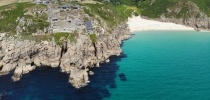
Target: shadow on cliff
{"x":50,"y":84}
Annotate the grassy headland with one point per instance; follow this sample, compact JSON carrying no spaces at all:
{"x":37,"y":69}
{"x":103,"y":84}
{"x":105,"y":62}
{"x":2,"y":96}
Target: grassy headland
{"x":9,"y":15}
{"x":111,"y":14}
{"x":155,"y":8}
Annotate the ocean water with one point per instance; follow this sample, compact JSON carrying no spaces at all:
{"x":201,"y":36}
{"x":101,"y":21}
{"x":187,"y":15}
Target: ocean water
{"x":154,"y":65}
{"x":165,"y":65}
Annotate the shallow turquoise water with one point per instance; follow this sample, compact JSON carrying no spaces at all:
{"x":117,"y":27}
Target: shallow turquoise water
{"x":170,"y":65}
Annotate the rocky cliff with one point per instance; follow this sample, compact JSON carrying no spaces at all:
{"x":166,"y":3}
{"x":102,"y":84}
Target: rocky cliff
{"x":74,"y":58}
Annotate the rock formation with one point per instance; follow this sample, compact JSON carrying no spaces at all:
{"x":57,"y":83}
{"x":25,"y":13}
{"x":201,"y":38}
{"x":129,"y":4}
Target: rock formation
{"x":22,"y":56}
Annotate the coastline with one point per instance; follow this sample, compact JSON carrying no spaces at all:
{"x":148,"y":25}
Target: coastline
{"x":75,"y":59}
{"x":137,"y":23}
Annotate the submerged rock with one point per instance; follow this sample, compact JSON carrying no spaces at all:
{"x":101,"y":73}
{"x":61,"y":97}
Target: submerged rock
{"x":122,"y":77}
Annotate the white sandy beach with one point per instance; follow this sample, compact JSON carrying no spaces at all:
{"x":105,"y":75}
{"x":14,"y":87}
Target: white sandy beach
{"x":140,"y":24}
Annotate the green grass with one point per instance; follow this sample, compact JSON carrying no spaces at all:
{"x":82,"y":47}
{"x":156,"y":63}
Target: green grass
{"x":40,"y":23}
{"x":204,"y":5}
{"x":156,"y":9}
{"x":65,"y":36}
{"x":182,"y":13}
{"x":111,"y":14}
{"x":8,"y":21}
{"x":88,"y":11}
{"x":10,"y":13}
{"x":93,"y":38}
{"x":160,"y":6}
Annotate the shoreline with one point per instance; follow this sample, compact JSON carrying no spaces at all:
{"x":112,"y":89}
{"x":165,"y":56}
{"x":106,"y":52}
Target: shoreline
{"x":137,"y":23}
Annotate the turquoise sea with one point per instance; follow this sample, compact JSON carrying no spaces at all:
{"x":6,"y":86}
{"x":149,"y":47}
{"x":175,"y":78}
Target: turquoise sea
{"x":165,"y":65}
{"x":154,"y":65}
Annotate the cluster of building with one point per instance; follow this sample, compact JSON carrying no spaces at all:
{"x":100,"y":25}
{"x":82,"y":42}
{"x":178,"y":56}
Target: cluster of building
{"x":43,"y":1}
{"x":66,"y":18}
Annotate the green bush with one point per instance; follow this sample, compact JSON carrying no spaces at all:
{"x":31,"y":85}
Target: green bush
{"x":93,"y":38}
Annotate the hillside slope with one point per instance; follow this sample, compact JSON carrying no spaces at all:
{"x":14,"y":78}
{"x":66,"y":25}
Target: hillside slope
{"x":193,"y":13}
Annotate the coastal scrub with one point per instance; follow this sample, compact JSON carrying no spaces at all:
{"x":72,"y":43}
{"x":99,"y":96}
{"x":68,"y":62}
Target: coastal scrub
{"x":93,"y":38}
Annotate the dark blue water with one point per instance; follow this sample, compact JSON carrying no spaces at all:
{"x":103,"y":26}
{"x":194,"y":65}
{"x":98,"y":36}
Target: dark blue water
{"x":155,"y":65}
{"x":50,"y":84}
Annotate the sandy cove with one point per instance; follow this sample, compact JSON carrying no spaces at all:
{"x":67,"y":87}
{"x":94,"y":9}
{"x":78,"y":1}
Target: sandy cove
{"x":140,"y":24}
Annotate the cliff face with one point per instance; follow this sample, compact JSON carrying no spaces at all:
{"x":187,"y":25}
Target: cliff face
{"x":76,"y":59}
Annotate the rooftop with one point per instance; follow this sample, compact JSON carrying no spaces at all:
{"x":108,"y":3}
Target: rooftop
{"x":89,"y":25}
